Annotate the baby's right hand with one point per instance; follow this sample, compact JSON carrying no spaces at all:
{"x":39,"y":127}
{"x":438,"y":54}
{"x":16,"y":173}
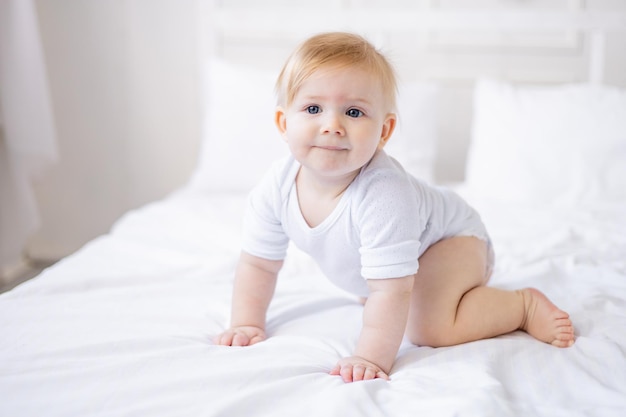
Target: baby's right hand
{"x":241,"y":336}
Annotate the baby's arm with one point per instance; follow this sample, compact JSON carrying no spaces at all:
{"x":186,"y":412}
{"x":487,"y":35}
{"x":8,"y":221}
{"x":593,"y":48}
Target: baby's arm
{"x":384,"y":321}
{"x":255,"y":281}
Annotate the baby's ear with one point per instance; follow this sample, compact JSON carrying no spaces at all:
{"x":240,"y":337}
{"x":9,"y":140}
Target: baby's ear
{"x":280,"y":120}
{"x":388,"y":127}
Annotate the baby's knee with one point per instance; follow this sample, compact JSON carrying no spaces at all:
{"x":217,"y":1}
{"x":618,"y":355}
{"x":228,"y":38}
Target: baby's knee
{"x":430,"y":337}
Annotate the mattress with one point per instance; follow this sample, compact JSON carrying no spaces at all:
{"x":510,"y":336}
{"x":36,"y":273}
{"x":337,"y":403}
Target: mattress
{"x":125,"y":326}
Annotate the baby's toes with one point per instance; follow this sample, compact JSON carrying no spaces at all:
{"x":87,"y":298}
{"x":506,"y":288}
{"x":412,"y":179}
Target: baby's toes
{"x":562,"y":343}
{"x":565,"y":322}
{"x":565,"y":337}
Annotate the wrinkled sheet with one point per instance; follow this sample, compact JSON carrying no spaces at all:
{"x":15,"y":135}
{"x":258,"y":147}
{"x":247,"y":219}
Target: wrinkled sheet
{"x":125,"y":325}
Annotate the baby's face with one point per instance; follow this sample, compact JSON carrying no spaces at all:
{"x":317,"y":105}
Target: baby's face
{"x":337,"y":121}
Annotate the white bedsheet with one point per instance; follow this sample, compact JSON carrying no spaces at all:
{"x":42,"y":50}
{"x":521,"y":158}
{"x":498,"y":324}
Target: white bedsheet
{"x":124,"y":327}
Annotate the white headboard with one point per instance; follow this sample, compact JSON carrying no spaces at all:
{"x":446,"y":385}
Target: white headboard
{"x":450,"y":42}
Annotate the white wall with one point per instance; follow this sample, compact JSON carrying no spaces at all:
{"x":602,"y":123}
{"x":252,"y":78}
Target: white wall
{"x":125,"y":91}
{"x":124,"y":81}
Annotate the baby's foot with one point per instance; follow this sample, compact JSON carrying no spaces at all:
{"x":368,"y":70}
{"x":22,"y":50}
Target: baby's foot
{"x":545,"y":321}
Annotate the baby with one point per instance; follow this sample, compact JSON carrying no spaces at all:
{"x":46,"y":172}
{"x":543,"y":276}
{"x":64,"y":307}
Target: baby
{"x":418,"y":255}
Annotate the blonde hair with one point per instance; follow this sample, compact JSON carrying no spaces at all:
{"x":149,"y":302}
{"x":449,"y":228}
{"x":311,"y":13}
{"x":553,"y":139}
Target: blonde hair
{"x":338,"y":50}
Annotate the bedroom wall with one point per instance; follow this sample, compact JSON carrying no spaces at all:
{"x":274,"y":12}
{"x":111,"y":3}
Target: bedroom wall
{"x":125,"y":84}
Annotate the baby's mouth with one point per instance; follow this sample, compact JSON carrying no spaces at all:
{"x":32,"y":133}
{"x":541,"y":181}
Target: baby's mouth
{"x":332,"y":148}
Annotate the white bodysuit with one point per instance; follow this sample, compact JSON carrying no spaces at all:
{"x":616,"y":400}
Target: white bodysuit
{"x":384,"y":221}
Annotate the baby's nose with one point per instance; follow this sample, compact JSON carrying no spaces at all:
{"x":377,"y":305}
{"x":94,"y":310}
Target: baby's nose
{"x":332,"y":125}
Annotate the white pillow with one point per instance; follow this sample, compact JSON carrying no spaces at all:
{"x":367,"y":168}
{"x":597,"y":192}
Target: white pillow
{"x":414,"y":141}
{"x":543,"y":145}
{"x":240,"y":140}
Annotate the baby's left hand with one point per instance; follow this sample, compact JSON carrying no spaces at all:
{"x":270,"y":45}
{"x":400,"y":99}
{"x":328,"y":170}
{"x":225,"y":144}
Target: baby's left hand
{"x":354,"y":369}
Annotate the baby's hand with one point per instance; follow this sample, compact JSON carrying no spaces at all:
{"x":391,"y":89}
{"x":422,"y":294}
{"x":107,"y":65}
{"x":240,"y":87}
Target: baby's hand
{"x":354,"y":369}
{"x":241,"y":336}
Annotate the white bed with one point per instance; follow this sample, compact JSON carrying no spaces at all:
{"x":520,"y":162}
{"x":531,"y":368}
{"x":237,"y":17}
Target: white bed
{"x":124,"y":326}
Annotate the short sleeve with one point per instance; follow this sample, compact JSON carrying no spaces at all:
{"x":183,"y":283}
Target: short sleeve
{"x":263,"y":233}
{"x":389,"y":224}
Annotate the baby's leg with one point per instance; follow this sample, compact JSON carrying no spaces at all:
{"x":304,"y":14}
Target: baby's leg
{"x":451,"y":304}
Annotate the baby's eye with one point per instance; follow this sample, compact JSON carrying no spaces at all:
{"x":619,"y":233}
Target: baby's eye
{"x":354,"y":113}
{"x":313,"y":109}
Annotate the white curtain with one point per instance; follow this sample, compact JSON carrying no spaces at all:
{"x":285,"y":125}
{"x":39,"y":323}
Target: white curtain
{"x":27,"y":135}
